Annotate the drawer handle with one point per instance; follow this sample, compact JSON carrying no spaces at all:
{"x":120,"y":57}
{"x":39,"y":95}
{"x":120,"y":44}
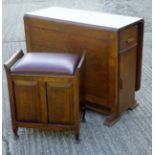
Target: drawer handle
{"x":130,"y":40}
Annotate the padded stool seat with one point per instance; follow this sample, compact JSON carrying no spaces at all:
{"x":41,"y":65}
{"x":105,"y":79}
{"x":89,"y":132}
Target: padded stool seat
{"x":46,"y":63}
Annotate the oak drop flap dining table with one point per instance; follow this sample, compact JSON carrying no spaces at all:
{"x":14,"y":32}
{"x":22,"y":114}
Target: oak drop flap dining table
{"x":114,"y":52}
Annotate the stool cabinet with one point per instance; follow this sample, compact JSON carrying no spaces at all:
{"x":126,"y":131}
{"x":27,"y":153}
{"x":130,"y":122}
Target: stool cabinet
{"x":44,"y":101}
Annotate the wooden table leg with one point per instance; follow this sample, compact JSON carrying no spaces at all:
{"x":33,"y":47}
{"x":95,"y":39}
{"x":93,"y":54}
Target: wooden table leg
{"x":77,"y":139}
{"x":134,"y":105}
{"x":83,"y":115}
{"x":111,"y":120}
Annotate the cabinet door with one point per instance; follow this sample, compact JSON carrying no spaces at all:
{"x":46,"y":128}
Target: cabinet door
{"x":59,"y":103}
{"x":127,"y":78}
{"x":27,"y":101}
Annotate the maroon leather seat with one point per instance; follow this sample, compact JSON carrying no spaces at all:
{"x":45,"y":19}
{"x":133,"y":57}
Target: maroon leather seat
{"x":46,"y":63}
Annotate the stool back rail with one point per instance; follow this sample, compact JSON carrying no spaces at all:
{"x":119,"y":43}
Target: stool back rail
{"x":43,"y":95}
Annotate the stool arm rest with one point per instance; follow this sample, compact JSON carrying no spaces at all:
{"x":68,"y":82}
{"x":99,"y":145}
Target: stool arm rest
{"x":81,"y":60}
{"x":19,"y":54}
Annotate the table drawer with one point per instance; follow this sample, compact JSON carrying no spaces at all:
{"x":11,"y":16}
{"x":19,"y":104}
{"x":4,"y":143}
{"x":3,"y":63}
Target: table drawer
{"x":128,"y":37}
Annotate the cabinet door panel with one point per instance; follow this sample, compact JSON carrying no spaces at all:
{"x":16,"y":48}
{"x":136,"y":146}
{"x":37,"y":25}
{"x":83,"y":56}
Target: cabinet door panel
{"x":127,"y":78}
{"x":59,"y":102}
{"x":27,"y":101}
